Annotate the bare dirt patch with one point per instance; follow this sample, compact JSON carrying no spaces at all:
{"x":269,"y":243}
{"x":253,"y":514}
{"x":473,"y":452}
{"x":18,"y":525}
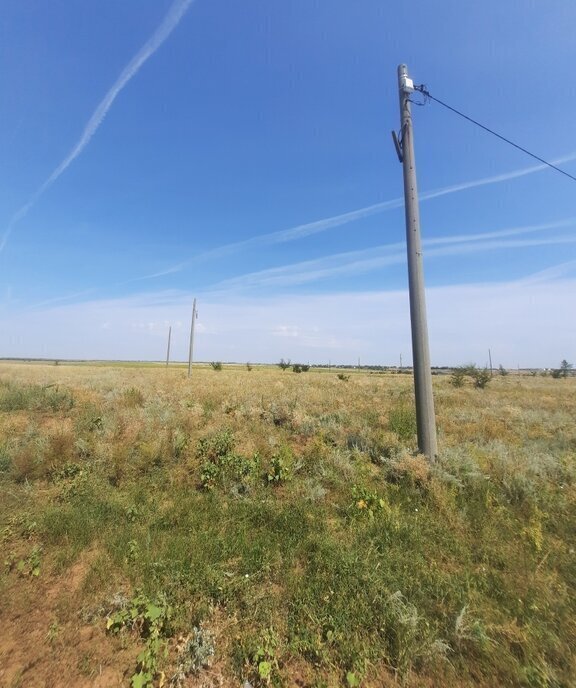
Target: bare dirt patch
{"x":45,"y":644}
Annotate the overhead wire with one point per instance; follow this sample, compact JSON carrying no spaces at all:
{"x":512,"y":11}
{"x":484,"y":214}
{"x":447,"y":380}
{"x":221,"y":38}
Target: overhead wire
{"x":422,"y":89}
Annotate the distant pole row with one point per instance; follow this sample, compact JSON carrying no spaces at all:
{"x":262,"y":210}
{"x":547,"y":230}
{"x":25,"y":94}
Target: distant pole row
{"x":191,"y":348}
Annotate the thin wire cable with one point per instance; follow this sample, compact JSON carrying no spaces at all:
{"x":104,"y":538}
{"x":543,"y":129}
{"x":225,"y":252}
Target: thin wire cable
{"x":422,"y":89}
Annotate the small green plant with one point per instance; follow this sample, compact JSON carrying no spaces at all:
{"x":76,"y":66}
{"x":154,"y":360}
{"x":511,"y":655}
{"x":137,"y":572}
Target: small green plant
{"x":28,"y":566}
{"x":133,"y":552}
{"x":366,"y":503}
{"x":264,"y":657}
{"x":280,"y":466}
{"x":248,"y":367}
{"x":342,"y":377}
{"x":33,"y":561}
{"x":216,"y":365}
{"x":132,"y":513}
{"x":150,"y":621}
{"x":502,"y":370}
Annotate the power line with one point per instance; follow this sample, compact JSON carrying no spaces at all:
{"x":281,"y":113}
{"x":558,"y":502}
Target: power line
{"x":422,"y":89}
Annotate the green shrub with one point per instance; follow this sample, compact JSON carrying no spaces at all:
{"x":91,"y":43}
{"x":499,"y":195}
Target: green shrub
{"x":458,"y":376}
{"x":402,"y":421}
{"x":481,"y":378}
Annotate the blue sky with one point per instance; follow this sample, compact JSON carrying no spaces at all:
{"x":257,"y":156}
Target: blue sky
{"x":240,"y":153}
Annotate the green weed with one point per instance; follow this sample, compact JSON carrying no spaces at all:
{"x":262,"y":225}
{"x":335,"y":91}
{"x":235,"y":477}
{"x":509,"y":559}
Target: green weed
{"x":148,"y":620}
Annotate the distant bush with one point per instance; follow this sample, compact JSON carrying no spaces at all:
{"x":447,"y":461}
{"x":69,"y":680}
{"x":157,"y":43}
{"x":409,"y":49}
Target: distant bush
{"x":502,"y":370}
{"x":458,"y":376}
{"x":300,"y":368}
{"x":284,"y":364}
{"x":216,"y":365}
{"x":480,"y":376}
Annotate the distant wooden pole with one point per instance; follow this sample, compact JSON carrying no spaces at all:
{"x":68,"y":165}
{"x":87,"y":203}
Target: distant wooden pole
{"x":168,"y":349}
{"x":191,"y":349}
{"x":490,"y":359}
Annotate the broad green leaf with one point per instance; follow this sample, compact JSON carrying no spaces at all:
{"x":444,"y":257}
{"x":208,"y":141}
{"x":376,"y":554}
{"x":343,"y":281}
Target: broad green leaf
{"x":153,"y":612}
{"x":264,"y":669}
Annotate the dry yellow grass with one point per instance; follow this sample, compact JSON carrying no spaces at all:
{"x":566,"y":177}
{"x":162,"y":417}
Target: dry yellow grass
{"x":293,"y":507}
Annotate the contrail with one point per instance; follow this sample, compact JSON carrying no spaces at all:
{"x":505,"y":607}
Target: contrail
{"x":169,"y":23}
{"x":376,"y":257}
{"x":318,"y":226}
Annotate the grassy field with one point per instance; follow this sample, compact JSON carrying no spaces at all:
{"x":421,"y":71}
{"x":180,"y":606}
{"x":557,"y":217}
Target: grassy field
{"x":261,"y":527}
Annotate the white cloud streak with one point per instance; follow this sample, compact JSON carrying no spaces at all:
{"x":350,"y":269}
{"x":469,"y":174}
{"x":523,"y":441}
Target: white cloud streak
{"x":169,"y":23}
{"x":377,"y":257}
{"x":318,"y":226}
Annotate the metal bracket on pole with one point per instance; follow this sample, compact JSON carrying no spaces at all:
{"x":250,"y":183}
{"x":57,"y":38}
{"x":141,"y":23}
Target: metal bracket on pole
{"x":398,"y":146}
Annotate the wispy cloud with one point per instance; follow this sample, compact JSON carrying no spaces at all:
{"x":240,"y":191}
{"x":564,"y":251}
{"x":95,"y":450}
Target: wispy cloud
{"x":550,"y":274}
{"x":318,"y":226}
{"x":527,"y":326}
{"x":377,"y":257}
{"x":61,"y":299}
{"x":169,"y":23}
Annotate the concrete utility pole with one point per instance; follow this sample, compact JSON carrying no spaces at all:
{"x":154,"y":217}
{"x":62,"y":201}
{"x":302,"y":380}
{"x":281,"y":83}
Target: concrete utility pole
{"x":168,"y":349}
{"x":425,"y":417}
{"x":191,"y":350}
